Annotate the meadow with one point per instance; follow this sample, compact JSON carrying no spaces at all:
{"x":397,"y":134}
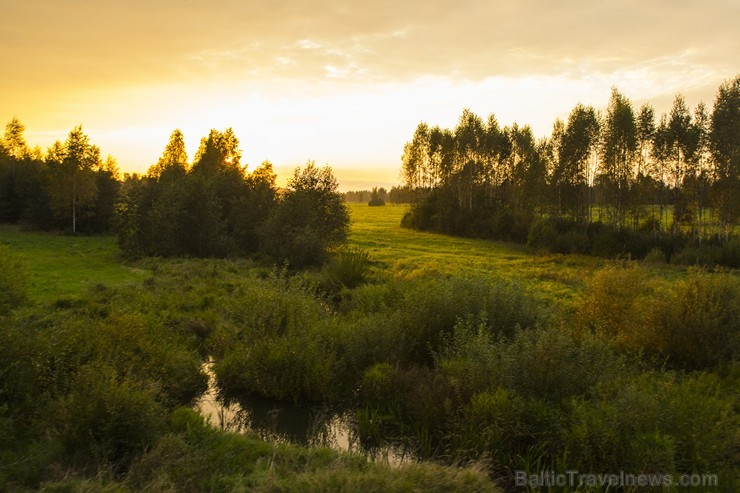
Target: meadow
{"x":60,"y":266}
{"x":480,"y":358}
{"x":406,"y":252}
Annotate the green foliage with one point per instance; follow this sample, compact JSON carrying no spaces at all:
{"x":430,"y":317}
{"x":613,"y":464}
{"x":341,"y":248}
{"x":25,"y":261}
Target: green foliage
{"x":708,"y":255}
{"x":503,"y":427}
{"x":550,"y":364}
{"x":613,"y":296}
{"x":694,"y":322}
{"x":697,"y":323}
{"x":432,"y":307}
{"x":376,"y":199}
{"x":205,"y":460}
{"x":558,"y":235}
{"x":655,"y":256}
{"x":348,"y":268}
{"x":13,"y":280}
{"x":298,"y":369}
{"x":309,"y":221}
{"x":107,"y":420}
{"x":654,"y":423}
{"x":436,"y":354}
{"x":485,"y":181}
{"x":213,"y":209}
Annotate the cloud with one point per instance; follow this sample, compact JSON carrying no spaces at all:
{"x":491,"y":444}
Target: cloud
{"x":78,"y":41}
{"x":360,"y":72}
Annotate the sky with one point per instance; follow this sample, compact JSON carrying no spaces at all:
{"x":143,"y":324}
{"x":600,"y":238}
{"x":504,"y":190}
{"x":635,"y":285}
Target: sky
{"x":338,"y":82}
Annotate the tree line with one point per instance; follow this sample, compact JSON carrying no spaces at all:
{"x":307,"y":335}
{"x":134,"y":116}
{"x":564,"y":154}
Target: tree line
{"x":621,"y":168}
{"x":211,"y":207}
{"x":396,"y":195}
{"x":68,"y":187}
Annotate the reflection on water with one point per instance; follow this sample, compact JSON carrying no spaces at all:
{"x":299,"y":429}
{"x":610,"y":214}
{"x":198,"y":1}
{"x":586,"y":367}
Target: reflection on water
{"x":280,"y":422}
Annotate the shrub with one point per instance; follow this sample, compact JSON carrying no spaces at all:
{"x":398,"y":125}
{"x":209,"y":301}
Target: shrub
{"x":548,"y":364}
{"x":655,"y":256}
{"x":297,"y":369}
{"x":372,"y":339}
{"x":691,"y":255}
{"x":612,"y":300}
{"x":431,"y":308}
{"x":725,"y":254}
{"x":654,"y":423}
{"x":559,"y":235}
{"x":309,"y":221}
{"x":107,"y":419}
{"x":375,"y":298}
{"x":415,"y":403}
{"x":347,"y":268}
{"x":551,"y":365}
{"x":542,"y":235}
{"x":696,"y":324}
{"x":473,"y":359}
{"x":504,"y":429}
{"x":728,"y":254}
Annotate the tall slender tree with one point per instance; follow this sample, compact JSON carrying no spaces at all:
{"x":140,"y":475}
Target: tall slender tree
{"x":724,"y":138}
{"x":619,"y":144}
{"x":645,"y":133}
{"x":73,"y":187}
{"x":573,"y":168}
{"x":174,"y":159}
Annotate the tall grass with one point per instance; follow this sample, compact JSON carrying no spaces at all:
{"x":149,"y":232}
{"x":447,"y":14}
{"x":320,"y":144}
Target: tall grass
{"x":13,"y":280}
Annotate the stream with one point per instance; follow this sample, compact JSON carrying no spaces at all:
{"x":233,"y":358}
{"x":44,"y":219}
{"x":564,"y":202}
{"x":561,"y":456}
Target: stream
{"x":277,"y":421}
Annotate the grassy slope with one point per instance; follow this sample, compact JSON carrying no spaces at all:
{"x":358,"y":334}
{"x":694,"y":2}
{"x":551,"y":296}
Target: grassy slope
{"x":62,"y":266}
{"x":406,"y":252}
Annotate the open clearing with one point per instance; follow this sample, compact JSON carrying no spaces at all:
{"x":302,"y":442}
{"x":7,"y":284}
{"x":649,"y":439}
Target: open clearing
{"x":62,"y":266}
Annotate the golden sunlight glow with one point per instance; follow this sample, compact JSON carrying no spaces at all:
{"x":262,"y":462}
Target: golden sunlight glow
{"x":342,"y":85}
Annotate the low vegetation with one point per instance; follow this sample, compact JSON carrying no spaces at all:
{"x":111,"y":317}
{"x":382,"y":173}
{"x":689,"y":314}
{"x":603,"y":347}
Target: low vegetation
{"x":476,"y":359}
{"x":462,"y":363}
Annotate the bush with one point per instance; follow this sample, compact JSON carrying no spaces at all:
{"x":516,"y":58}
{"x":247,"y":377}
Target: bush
{"x":542,"y":235}
{"x":297,"y":369}
{"x":504,"y":429}
{"x":548,"y":364}
{"x":613,"y":299}
{"x":348,"y":268}
{"x":655,"y":256}
{"x":106,"y":419}
{"x":728,"y":254}
{"x":309,"y":221}
{"x":552,"y":365}
{"x":654,"y":423}
{"x":725,"y":254}
{"x":558,"y":235}
{"x":431,"y":307}
{"x":697,"y":323}
{"x":414,"y":403}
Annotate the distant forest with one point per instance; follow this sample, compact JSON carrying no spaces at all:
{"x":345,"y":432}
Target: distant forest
{"x":396,"y":195}
{"x":612,"y":182}
{"x":208,"y":208}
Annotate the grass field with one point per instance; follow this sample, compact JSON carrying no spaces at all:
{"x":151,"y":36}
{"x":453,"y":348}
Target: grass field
{"x":407,"y":252}
{"x":61,"y":266}
{"x":453,"y":367}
